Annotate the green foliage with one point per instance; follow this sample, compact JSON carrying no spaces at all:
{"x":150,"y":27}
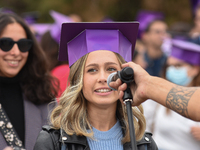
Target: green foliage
{"x":95,"y":10}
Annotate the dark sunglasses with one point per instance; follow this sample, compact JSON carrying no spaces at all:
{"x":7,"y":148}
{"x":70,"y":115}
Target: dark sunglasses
{"x":24,"y":45}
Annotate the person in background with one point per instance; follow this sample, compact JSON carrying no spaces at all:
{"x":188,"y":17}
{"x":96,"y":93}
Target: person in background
{"x":26,"y":86}
{"x":153,"y":32}
{"x":184,"y":71}
{"x":39,"y":29}
{"x":195,"y":31}
{"x":138,"y":58}
{"x":153,"y":38}
{"x":90,"y":115}
{"x":50,"y":44}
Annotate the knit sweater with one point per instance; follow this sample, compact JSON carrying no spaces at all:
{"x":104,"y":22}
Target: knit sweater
{"x":107,"y":140}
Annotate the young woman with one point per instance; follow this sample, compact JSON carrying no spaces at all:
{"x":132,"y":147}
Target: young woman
{"x":26,"y":86}
{"x":90,"y":114}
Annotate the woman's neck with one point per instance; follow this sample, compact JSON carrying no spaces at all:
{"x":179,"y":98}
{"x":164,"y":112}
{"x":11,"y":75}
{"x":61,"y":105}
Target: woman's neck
{"x":102,"y":119}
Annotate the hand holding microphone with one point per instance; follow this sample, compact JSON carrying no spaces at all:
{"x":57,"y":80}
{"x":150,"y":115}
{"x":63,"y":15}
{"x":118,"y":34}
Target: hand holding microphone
{"x":127,"y":76}
{"x":138,"y":87}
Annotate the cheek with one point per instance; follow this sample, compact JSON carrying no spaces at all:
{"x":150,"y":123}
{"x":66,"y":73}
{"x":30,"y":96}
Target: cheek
{"x":86,"y":92}
{"x":191,"y":72}
{"x":25,"y":56}
{"x":2,"y":54}
{"x":86,"y":85}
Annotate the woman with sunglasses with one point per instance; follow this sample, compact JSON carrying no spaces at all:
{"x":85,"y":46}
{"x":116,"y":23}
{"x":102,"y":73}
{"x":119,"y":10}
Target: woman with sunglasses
{"x":25,"y":84}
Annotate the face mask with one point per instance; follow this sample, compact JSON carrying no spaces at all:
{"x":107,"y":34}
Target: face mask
{"x":178,"y":75}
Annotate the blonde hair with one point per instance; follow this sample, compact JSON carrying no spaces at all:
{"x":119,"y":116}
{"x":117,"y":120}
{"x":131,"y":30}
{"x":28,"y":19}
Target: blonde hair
{"x":71,"y":112}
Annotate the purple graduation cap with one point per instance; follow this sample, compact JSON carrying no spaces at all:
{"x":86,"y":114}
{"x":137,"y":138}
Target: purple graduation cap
{"x":145,"y":17}
{"x":194,"y":5}
{"x":186,"y":51}
{"x":56,"y":27}
{"x":78,"y":39}
{"x":30,"y":17}
{"x":6,"y":10}
{"x":40,"y":29}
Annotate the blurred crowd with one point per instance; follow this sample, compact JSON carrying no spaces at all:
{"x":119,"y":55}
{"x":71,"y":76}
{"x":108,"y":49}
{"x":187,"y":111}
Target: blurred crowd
{"x":171,"y":52}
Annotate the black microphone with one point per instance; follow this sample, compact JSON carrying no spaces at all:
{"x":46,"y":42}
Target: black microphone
{"x":126,"y":75}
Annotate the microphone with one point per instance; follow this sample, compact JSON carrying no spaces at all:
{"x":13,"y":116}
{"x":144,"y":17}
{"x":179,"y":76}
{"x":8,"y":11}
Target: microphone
{"x":126,"y":75}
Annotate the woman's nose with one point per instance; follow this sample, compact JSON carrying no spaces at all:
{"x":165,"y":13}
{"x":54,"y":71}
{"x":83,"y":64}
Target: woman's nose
{"x":102,"y":77}
{"x":15,"y":50}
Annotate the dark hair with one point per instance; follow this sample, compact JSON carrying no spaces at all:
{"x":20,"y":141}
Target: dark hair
{"x":150,"y":24}
{"x":37,"y":84}
{"x":50,"y":47}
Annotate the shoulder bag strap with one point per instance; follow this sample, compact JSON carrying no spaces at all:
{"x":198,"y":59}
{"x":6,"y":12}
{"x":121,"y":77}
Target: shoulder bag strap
{"x":9,"y":132}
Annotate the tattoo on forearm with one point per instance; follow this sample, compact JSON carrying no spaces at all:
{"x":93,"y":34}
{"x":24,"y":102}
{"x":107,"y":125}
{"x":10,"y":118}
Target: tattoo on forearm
{"x":178,"y":98}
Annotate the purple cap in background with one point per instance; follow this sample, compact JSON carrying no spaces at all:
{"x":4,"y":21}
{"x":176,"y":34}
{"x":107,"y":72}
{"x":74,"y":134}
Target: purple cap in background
{"x":41,"y":28}
{"x":6,"y":10}
{"x":194,"y":5}
{"x":56,"y":27}
{"x":30,"y":17}
{"x":78,"y":39}
{"x":145,"y":17}
{"x":186,"y":51}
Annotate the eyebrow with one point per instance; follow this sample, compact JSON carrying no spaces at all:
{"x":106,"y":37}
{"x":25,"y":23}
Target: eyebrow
{"x":107,"y":63}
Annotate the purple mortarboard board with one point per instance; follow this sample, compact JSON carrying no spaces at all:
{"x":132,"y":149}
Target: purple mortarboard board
{"x":78,"y":39}
{"x":56,"y":27}
{"x":186,"y":51}
{"x":145,"y":17}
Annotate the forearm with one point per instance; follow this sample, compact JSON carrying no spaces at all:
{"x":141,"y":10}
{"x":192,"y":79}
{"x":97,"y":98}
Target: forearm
{"x":183,"y":100}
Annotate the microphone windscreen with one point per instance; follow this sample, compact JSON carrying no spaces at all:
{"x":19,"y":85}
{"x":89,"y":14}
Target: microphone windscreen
{"x":112,"y":77}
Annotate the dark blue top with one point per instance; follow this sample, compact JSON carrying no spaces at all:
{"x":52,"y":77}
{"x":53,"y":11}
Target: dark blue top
{"x":195,"y":40}
{"x":155,"y":66}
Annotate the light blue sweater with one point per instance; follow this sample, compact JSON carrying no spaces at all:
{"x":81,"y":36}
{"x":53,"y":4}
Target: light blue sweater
{"x":107,"y":140}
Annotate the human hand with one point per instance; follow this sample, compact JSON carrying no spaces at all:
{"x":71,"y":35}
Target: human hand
{"x":195,"y":131}
{"x":138,"y":88}
{"x":8,"y":148}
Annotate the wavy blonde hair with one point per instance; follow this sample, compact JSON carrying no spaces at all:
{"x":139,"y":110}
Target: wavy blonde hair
{"x":71,"y":112}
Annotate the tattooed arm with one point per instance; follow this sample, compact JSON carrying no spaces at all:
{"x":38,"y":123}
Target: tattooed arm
{"x":183,"y":100}
{"x":178,"y":99}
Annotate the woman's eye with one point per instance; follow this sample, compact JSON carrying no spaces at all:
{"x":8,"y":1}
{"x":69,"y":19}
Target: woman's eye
{"x":178,"y":66}
{"x":92,"y":70}
{"x":112,"y":69}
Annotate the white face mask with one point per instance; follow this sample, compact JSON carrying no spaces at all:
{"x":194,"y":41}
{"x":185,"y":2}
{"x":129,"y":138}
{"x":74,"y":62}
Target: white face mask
{"x":178,"y":75}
